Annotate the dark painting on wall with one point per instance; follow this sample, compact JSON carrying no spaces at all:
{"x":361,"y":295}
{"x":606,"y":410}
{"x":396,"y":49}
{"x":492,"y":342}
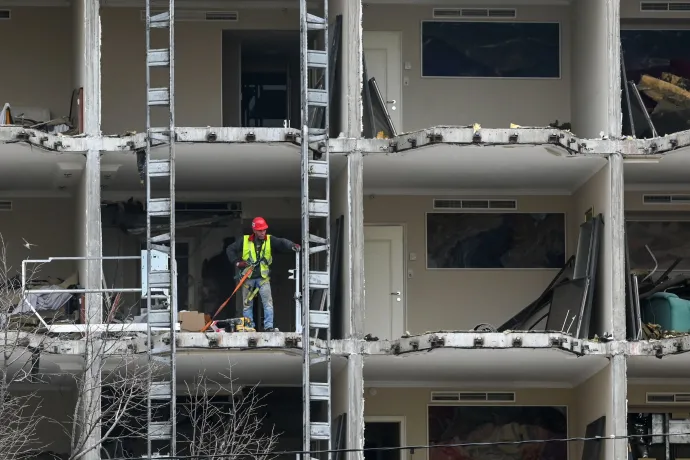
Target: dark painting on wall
{"x":495,"y":241}
{"x":667,"y":240}
{"x":491,"y":49}
{"x":485,"y":424}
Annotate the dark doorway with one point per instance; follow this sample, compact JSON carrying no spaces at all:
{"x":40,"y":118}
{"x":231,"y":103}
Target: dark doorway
{"x":265,"y":99}
{"x":382,"y":435}
{"x":261,"y":79}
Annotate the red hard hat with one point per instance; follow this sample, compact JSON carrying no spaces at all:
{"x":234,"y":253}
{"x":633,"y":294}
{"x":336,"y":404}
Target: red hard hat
{"x":259,"y":223}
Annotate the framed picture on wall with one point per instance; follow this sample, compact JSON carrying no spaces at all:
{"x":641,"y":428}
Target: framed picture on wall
{"x":452,"y":425}
{"x":477,"y":241}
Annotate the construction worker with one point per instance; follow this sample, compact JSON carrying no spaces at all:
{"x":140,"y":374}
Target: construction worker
{"x":258,"y":247}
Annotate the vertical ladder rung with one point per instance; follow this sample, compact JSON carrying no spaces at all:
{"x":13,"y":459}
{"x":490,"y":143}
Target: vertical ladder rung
{"x":162,"y":238}
{"x":318,"y":359}
{"x":320,"y":431}
{"x":160,"y":391}
{"x":319,"y":280}
{"x":317,"y":249}
{"x":317,"y":239}
{"x":159,"y":318}
{"x":318,"y":208}
{"x":158,"y":58}
{"x":159,"y":207}
{"x":159,"y":96}
{"x":317,"y":135}
{"x":159,"y":279}
{"x":317,"y":59}
{"x":319,"y":319}
{"x":160,"y":20}
{"x":318,"y":168}
{"x":319,"y":391}
{"x":159,"y":168}
{"x":315,"y":22}
{"x":160,"y":430}
{"x":317,"y":97}
{"x":161,"y":135}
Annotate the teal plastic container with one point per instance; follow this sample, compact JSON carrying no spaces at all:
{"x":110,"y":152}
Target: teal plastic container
{"x":667,"y":310}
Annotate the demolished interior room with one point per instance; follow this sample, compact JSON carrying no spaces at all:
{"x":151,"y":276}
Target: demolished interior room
{"x":28,"y":98}
{"x":254,"y":83}
{"x":538,"y":63}
{"x":657,"y":213}
{"x":658,"y":405}
{"x":216,"y":203}
{"x":445,"y":417}
{"x":262,"y":388}
{"x":655,"y":73}
{"x":453,"y":243}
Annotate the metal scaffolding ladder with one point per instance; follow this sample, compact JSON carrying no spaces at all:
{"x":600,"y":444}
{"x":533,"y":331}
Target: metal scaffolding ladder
{"x":160,"y":281}
{"x":315,"y":268}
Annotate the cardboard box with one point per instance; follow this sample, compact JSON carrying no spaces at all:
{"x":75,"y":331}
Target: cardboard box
{"x":191,"y":321}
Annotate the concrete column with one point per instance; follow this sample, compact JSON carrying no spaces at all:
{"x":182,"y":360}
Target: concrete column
{"x":616,"y":229}
{"x":87,"y":74}
{"x":351,"y":126}
{"x":596,"y":89}
{"x":619,"y":399}
{"x":355,"y":362}
{"x":613,"y":22}
{"x":351,"y":64}
{"x":618,"y":367}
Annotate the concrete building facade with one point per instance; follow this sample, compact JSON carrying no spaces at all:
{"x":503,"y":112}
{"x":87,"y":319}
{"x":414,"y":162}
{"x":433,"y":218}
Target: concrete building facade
{"x":500,"y":175}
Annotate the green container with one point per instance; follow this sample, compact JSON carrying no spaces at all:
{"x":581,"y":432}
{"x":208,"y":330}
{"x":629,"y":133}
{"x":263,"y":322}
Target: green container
{"x":667,"y":310}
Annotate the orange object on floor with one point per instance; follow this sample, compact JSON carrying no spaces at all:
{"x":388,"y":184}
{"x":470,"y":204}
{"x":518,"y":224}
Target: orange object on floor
{"x":246,"y":275}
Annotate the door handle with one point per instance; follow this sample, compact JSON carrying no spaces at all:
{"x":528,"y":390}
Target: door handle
{"x":390,"y":102}
{"x":395,"y":293}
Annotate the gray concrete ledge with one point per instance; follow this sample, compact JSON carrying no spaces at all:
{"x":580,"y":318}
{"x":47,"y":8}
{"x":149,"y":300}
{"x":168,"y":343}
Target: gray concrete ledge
{"x":60,"y":143}
{"x":659,"y":348}
{"x":238,"y":135}
{"x":449,"y":135}
{"x":468,"y":136}
{"x":655,"y":145}
{"x":471,"y":341}
{"x":135,"y":343}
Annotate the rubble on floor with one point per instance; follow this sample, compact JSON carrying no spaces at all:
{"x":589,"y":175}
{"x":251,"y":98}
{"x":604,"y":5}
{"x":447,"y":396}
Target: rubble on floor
{"x":656,"y":332}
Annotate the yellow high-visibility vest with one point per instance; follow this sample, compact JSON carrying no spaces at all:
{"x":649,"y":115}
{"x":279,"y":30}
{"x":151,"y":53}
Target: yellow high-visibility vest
{"x":249,"y":254}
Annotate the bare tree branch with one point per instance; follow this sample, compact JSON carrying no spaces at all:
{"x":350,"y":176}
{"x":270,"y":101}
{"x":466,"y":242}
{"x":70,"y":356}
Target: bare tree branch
{"x":228,"y":429}
{"x":19,"y":411}
{"x":117,"y":376}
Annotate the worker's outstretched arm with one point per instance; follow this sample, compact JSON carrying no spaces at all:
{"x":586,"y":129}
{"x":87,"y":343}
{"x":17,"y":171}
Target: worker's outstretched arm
{"x":283,"y":245}
{"x":233,"y":251}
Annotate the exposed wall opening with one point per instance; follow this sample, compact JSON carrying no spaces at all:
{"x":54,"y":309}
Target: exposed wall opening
{"x":380,"y":440}
{"x":443,"y":258}
{"x":655,"y":78}
{"x":261,"y":79}
{"x":658,"y":272}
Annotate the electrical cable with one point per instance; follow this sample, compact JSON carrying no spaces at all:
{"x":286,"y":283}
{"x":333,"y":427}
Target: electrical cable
{"x":416,"y":447}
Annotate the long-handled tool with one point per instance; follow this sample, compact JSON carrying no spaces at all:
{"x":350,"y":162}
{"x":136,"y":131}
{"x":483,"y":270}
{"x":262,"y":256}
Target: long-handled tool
{"x":248,"y":272}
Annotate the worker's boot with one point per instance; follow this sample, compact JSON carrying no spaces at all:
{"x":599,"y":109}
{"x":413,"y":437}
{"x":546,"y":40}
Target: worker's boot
{"x":272,"y":329}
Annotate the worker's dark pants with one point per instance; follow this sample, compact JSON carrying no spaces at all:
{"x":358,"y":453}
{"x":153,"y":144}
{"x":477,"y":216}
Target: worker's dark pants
{"x":264,"y":286}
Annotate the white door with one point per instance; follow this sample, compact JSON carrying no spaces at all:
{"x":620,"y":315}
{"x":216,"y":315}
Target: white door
{"x":384,"y":282}
{"x":382,"y":54}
